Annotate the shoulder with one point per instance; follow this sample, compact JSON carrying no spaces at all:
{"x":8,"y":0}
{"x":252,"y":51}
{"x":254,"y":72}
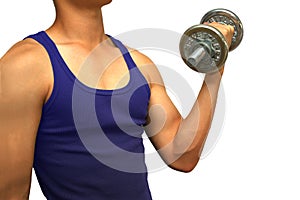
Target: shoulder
{"x":25,"y":53}
{"x":146,"y":66}
{"x":25,"y":64}
{"x":139,"y":57}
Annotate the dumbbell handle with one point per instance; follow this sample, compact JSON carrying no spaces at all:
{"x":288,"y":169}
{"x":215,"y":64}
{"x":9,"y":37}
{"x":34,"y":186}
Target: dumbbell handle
{"x":197,"y":55}
{"x":205,"y":51}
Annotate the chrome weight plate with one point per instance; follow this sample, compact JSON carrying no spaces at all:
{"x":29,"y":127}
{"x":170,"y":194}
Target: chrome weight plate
{"x":208,"y":39}
{"x":226,"y":17}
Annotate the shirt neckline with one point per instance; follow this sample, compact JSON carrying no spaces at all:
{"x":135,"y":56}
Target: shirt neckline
{"x":81,"y":85}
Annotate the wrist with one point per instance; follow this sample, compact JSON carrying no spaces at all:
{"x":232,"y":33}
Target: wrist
{"x":215,"y":75}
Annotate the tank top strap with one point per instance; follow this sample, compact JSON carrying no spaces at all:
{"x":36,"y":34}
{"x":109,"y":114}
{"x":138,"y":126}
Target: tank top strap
{"x":42,"y":38}
{"x":38,"y":37}
{"x":128,"y":59}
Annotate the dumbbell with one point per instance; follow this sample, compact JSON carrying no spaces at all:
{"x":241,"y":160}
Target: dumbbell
{"x":203,"y":48}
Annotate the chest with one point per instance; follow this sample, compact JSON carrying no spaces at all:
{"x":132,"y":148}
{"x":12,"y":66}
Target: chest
{"x":122,"y":92}
{"x":102,"y":68}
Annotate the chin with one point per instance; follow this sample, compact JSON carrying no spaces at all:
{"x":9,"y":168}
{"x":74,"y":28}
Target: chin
{"x":105,"y":2}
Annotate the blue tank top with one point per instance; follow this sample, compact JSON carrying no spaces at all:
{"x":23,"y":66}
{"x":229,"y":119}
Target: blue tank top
{"x":89,"y":144}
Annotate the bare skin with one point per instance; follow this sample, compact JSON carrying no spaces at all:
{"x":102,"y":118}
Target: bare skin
{"x":26,"y":83}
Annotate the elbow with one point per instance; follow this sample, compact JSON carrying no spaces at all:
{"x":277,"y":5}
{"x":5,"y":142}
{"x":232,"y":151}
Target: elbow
{"x":186,"y":161}
{"x":185,"y":166}
{"x":186,"y":169}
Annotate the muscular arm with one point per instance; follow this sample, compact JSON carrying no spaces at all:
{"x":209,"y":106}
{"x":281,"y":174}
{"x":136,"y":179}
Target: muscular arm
{"x":180,"y":141}
{"x":22,"y":94}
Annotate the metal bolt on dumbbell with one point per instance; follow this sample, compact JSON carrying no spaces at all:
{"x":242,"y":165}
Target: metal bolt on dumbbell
{"x":204,"y":48}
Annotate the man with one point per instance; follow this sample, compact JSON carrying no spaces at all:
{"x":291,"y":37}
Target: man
{"x":39,"y":128}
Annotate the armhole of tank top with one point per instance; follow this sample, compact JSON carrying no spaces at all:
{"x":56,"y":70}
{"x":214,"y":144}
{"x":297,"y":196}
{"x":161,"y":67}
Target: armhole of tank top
{"x":140,"y":75}
{"x":50,"y":100}
{"x":142,"y":78}
{"x":131,"y":64}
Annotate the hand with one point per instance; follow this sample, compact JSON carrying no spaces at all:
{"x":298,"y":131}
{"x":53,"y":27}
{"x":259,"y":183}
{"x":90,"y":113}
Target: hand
{"x":226,"y":30}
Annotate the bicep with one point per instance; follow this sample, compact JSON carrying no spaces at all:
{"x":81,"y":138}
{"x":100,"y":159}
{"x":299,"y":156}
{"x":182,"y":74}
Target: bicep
{"x":164,"y":118}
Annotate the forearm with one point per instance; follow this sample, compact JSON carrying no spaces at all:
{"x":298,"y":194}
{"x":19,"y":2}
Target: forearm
{"x":193,"y":130}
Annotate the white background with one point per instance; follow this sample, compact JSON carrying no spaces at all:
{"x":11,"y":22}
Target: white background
{"x":257,"y":156}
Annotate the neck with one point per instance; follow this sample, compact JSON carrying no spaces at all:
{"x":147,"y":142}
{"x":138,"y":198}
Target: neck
{"x":78,"y":25}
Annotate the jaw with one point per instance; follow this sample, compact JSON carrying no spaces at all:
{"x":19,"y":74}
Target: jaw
{"x":83,"y":4}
